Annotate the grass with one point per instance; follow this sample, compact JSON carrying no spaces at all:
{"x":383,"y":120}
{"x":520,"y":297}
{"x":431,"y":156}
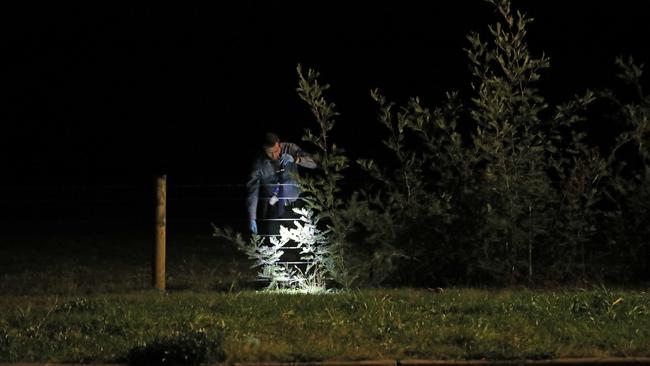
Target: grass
{"x":386,"y":324}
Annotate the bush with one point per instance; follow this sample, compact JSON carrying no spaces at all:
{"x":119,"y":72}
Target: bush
{"x":500,"y":189}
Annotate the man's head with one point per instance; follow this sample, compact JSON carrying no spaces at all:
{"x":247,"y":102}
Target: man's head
{"x":271,"y":146}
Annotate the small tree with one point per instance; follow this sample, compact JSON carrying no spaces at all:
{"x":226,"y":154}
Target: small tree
{"x":510,"y":139}
{"x":322,"y":190}
{"x":405,"y":221}
{"x":306,"y":237}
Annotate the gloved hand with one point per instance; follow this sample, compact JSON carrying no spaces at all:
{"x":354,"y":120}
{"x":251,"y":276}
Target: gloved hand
{"x":252,"y":226}
{"x":286,"y":159}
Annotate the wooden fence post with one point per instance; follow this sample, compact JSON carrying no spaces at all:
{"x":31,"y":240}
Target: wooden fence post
{"x":158,"y":277}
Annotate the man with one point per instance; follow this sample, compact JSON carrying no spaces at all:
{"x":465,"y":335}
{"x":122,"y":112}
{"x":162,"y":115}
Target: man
{"x":271,"y":184}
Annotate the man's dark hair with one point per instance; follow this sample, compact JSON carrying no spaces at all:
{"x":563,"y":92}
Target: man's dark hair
{"x":270,"y":139}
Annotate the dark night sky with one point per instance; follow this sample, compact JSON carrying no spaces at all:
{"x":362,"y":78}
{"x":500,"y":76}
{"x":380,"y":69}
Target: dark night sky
{"x":114,"y":94}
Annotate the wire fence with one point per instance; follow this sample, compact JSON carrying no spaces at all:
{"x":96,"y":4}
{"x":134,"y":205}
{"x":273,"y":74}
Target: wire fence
{"x":108,"y":230}
{"x":189,"y":205}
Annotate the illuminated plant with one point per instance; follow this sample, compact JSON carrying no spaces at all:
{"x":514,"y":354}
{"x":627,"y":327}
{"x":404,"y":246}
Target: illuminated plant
{"x":267,"y":256}
{"x":322,"y":190}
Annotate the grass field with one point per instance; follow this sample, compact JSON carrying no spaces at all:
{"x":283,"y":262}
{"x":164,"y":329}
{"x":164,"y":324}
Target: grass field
{"x":387,"y":324}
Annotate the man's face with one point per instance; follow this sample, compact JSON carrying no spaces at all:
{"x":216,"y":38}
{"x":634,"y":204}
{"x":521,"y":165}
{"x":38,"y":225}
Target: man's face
{"x":273,"y":152}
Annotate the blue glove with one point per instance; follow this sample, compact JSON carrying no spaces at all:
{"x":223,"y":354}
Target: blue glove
{"x":286,"y":159}
{"x":252,"y":226}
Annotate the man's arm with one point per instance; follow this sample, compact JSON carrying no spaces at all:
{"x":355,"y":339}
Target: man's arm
{"x":301,"y":157}
{"x":253,"y":190}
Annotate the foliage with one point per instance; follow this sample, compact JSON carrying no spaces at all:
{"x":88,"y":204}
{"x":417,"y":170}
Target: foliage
{"x":510,"y":141}
{"x":265,"y":256}
{"x":406,"y":220}
{"x":497,"y":188}
{"x":459,"y":204}
{"x":314,"y":249}
{"x":306,"y":237}
{"x":501,"y":189}
{"x":322,"y":191}
{"x":578,"y":169}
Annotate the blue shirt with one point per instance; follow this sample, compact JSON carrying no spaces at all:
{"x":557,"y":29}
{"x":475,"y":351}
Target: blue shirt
{"x":267,"y":174}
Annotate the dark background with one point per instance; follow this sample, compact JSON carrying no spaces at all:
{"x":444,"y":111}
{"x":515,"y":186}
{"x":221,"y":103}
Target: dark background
{"x":99,"y":100}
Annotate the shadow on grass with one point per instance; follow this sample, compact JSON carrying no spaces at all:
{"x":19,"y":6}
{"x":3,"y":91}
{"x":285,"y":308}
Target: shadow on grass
{"x":191,"y":348}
